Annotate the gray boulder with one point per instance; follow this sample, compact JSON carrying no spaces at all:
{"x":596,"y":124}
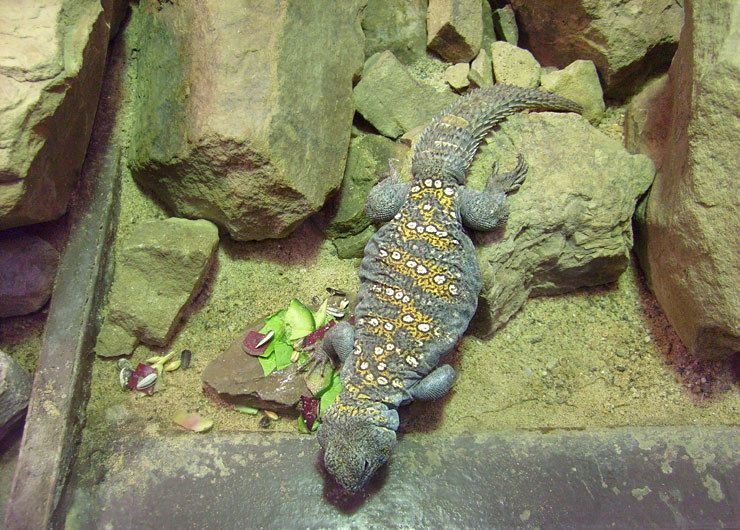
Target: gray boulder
{"x":455,"y":29}
{"x":28,"y":265}
{"x":15,"y":391}
{"x":691,"y":236}
{"x":570,"y":223}
{"x":162,"y":267}
{"x":628,"y":41}
{"x":243,"y":114}
{"x":51,"y":70}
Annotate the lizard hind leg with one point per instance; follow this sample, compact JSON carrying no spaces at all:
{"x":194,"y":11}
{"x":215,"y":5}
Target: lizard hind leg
{"x":436,"y":383}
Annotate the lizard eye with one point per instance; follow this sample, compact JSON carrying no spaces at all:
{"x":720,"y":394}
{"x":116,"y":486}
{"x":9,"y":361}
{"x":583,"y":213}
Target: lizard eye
{"x":365,"y":465}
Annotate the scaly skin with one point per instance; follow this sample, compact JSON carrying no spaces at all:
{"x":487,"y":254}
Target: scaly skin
{"x":420,"y":281}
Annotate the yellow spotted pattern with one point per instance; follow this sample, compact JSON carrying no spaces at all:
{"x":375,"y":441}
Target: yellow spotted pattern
{"x":427,"y":275}
{"x":429,"y":199}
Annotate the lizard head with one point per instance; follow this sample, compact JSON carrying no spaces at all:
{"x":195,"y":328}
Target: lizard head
{"x":355,"y":446}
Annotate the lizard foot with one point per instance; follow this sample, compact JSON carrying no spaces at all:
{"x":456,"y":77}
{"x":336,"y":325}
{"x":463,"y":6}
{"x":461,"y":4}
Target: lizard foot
{"x":318,"y":358}
{"x":510,"y":181}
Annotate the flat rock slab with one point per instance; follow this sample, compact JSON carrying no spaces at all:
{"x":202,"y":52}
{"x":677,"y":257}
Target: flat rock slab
{"x":625,"y":478}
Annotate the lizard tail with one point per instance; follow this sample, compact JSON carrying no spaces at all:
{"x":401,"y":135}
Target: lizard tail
{"x":447,"y":146}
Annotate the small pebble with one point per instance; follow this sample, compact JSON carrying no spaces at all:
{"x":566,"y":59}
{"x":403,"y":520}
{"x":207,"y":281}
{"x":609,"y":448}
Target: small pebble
{"x":265,"y":422}
{"x":185,"y":357}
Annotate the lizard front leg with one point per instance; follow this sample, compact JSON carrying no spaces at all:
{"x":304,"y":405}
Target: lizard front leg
{"x":487,"y":210}
{"x":387,"y":196}
{"x":436,"y":383}
{"x":338,"y":343}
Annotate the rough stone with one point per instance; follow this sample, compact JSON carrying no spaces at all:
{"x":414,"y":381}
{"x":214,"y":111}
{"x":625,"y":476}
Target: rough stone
{"x":15,"y":391}
{"x":396,"y":25}
{"x":236,"y":378}
{"x":579,"y":81}
{"x":514,"y":66}
{"x":489,"y":33}
{"x":629,"y":41}
{"x":392,"y":100}
{"x":162,"y":266}
{"x":481,"y":70}
{"x":28,"y":265}
{"x":368,"y":159}
{"x":570,"y":222}
{"x":353,"y":246}
{"x":691,"y":233}
{"x":647,"y":120}
{"x":114,"y":341}
{"x":51,"y":70}
{"x":504,"y":22}
{"x":455,"y":29}
{"x":244,"y":109}
{"x":457,"y":76}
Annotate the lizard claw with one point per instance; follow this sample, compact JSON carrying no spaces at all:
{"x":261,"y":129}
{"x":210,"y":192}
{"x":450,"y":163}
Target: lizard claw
{"x":510,"y":181}
{"x":319,"y":358}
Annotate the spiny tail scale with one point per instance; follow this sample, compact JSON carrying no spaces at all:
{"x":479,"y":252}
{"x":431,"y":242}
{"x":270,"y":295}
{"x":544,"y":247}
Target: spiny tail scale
{"x":447,"y":146}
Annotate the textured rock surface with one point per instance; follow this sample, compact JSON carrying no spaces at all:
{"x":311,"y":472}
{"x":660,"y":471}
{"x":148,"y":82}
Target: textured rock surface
{"x":648,"y":119}
{"x":353,"y":246}
{"x":114,"y":341}
{"x":504,"y":22}
{"x":514,"y":66}
{"x":51,"y":68}
{"x":392,"y":100}
{"x":628,"y":41}
{"x":579,"y":81}
{"x":455,"y":29}
{"x":15,"y":390}
{"x":27,"y":268}
{"x":457,"y":75}
{"x":570,"y":223}
{"x":693,"y":242}
{"x":245,"y":109}
{"x":481,"y":70}
{"x":367,"y":161}
{"x":162,"y":266}
{"x":396,"y":25}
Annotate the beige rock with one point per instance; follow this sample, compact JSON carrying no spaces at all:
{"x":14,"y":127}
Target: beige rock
{"x":579,"y":82}
{"x":481,"y":71}
{"x":244,"y":108}
{"x":15,"y":390}
{"x":457,"y":76}
{"x":51,"y":68}
{"x":162,"y":267}
{"x":514,"y":66}
{"x":692,"y":237}
{"x":570,"y":223}
{"x":455,"y":29}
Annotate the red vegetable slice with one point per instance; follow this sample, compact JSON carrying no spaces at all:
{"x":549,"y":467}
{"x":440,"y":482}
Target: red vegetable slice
{"x":250,"y":344}
{"x":309,"y":410}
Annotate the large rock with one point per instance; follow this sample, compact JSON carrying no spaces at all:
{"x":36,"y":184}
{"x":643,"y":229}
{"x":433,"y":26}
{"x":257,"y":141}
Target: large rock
{"x":162,"y":266}
{"x":571,"y":221}
{"x":392,"y":100}
{"x":15,"y":390}
{"x":51,"y":69}
{"x":692,"y":236}
{"x":578,"y":82}
{"x":628,"y":40}
{"x":244,"y":109}
{"x":455,"y":29}
{"x":396,"y":25}
{"x":28,"y":265}
{"x":514,"y":66}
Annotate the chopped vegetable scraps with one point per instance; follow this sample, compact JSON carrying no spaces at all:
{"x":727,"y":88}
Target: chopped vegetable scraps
{"x":192,"y":422}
